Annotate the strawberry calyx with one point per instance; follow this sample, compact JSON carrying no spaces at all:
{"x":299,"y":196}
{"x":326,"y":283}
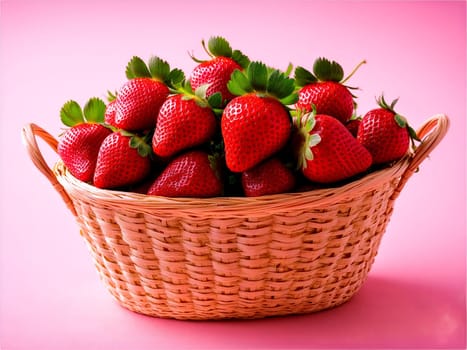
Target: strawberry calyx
{"x":111,"y":96}
{"x":140,"y":142}
{"x":400,"y":120}
{"x":220,"y":47}
{"x":157,"y":69}
{"x":72,"y":114}
{"x":264,"y":81}
{"x":199,"y":95}
{"x":323,"y":70}
{"x":305,"y":124}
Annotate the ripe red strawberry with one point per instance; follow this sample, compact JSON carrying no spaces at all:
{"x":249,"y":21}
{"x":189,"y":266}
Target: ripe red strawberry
{"x":123,"y":160}
{"x":217,"y":70}
{"x":325,"y":89}
{"x":352,"y":125}
{"x":184,"y":121}
{"x":109,"y":116}
{"x":385,"y":133}
{"x":253,"y":128}
{"x":79,"y":145}
{"x":269,"y":177}
{"x":256,"y":124}
{"x":140,"y":98}
{"x":327,"y":152}
{"x":191,"y":174}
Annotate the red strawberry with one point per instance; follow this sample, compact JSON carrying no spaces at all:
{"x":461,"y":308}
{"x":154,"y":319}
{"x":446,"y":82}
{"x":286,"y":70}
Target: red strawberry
{"x":140,"y":98}
{"x":184,"y":121}
{"x":110,"y":110}
{"x":327,"y":151}
{"x":122,"y":161}
{"x":325,"y":90}
{"x":253,"y":128}
{"x":191,"y":174}
{"x":352,"y":125}
{"x":269,"y":177}
{"x":79,"y":145}
{"x":217,"y":71}
{"x":138,"y":103}
{"x":256,"y":124}
{"x":385,"y":133}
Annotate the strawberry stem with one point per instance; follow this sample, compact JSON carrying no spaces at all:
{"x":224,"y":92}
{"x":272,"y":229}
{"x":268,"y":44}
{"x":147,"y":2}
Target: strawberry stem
{"x":203,"y":44}
{"x":353,"y":71}
{"x":192,"y":56}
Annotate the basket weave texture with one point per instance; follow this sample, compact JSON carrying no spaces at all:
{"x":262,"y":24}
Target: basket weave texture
{"x":216,"y":258}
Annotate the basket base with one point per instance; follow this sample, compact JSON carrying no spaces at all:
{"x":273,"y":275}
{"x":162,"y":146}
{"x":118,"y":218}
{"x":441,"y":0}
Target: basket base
{"x":250,"y":310}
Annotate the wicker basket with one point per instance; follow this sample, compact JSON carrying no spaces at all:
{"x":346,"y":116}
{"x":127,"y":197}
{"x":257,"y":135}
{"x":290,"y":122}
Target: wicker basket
{"x":235,"y":257}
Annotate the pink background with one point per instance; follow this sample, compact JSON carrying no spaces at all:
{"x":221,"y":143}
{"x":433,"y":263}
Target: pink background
{"x":52,"y":51}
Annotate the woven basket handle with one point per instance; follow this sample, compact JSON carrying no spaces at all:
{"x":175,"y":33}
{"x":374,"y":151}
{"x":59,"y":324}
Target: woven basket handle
{"x":29,"y":134}
{"x":431,"y":133}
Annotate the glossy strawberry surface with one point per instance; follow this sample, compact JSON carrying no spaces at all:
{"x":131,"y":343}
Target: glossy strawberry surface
{"x":334,"y":155}
{"x":190,"y":174}
{"x":382,"y":136}
{"x":329,"y":97}
{"x":138,"y":103}
{"x":79,"y":146}
{"x":269,"y":177}
{"x":253,"y":128}
{"x":109,"y":115}
{"x":118,"y":164}
{"x":216,"y":73}
{"x":352,"y":125}
{"x":182,"y":123}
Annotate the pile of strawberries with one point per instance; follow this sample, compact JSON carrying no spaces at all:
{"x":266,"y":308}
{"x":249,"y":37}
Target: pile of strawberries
{"x":235,"y":127}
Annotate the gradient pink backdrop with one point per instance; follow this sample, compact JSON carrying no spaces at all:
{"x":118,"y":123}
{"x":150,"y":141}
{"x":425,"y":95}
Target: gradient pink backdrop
{"x":52,"y":51}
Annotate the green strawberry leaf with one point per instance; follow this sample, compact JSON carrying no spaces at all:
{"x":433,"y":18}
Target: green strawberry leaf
{"x":111,"y":96}
{"x":257,"y":73}
{"x":200,"y":95}
{"x":239,"y":83}
{"x":218,"y":46}
{"x":326,"y":70}
{"x":289,"y":70}
{"x":383,"y":104}
{"x":175,"y":78}
{"x":279,"y":85}
{"x":158,"y":68}
{"x":240,"y":58}
{"x":94,"y":110}
{"x":400,"y":120}
{"x":265,"y":81}
{"x":413,"y":134}
{"x":141,"y":145}
{"x":305,"y":124}
{"x":290,"y":99}
{"x":71,"y":113}
{"x":303,"y":77}
{"x":215,"y":100}
{"x":136,"y":68}
{"x":126,"y":133}
{"x":185,"y":88}
{"x":393,"y":104}
{"x":200,"y":91}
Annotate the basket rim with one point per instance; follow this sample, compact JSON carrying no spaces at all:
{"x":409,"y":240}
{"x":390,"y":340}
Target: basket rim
{"x":138,"y":202}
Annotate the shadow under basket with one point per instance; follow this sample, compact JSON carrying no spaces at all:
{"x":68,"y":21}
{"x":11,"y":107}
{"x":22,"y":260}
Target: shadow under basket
{"x":232,"y":257}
